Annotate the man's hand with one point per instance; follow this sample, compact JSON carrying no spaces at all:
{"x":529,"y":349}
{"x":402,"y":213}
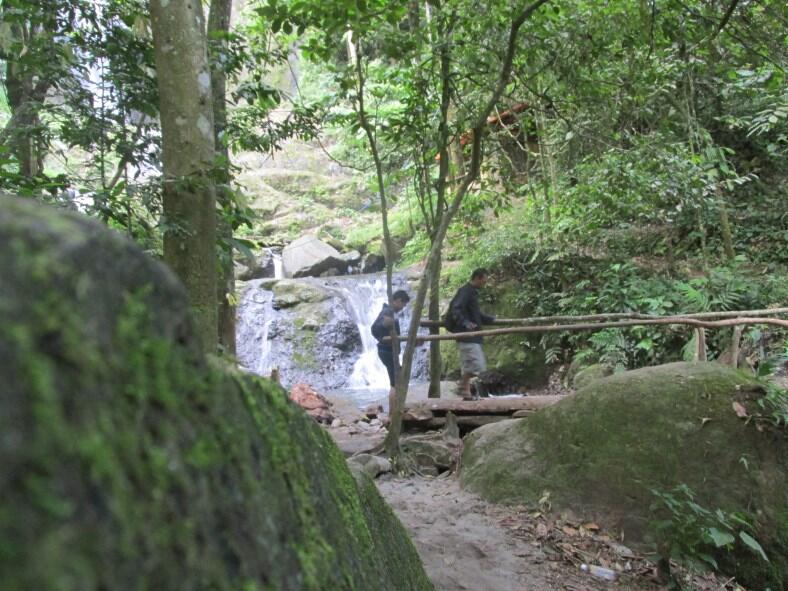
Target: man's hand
{"x":471,"y":325}
{"x":388,"y":321}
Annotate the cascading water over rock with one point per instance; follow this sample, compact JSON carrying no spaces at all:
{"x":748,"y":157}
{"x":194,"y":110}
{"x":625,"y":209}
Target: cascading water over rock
{"x":318,"y":331}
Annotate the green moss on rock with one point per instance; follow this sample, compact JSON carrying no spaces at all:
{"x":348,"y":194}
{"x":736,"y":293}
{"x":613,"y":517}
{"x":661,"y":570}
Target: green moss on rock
{"x":601,"y":451}
{"x":289,"y":292}
{"x":132,"y":462}
{"x":587,"y":375}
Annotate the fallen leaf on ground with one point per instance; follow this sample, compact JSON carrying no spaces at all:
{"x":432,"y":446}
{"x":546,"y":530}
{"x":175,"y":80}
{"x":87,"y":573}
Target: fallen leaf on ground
{"x":740,"y":411}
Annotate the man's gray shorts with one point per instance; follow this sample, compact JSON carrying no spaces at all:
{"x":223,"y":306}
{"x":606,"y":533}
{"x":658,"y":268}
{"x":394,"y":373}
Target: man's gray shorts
{"x":471,"y":358}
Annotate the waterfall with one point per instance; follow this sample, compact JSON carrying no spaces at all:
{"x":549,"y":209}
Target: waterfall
{"x":276,"y":255}
{"x":252,"y":335}
{"x":366,"y":297}
{"x":325,"y":357}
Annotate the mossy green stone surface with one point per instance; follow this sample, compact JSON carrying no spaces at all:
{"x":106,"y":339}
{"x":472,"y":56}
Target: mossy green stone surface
{"x":585,"y":376}
{"x":600,"y":452}
{"x":132,"y":462}
{"x":288,"y":292}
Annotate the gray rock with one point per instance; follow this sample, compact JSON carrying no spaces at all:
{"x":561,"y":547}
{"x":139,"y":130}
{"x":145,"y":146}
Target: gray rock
{"x":289,"y":293}
{"x":432,"y":449}
{"x":371,"y":465}
{"x":352,"y":257}
{"x":373,"y":263}
{"x":261,"y":266}
{"x":309,"y":257}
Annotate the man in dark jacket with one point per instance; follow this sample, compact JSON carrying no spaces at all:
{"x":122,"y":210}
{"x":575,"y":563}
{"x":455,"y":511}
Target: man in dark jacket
{"x":467,"y":316}
{"x":382,"y":328}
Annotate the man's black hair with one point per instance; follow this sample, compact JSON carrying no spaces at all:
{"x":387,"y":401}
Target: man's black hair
{"x":480,"y":272}
{"x":401,"y":295}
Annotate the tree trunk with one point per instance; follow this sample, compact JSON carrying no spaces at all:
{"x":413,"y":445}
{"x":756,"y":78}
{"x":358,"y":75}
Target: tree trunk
{"x":725,"y":225}
{"x":219,"y":22}
{"x":24,"y":100}
{"x":391,"y":442}
{"x":184,"y":84}
{"x":388,"y":244}
{"x":434,"y":314}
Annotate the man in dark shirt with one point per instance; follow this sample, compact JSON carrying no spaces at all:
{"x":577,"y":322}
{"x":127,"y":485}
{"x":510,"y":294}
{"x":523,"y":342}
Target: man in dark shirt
{"x":382,"y":328}
{"x":467,"y":316}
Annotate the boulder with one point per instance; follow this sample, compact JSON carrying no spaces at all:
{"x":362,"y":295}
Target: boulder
{"x":592,"y":373}
{"x":373,"y":411}
{"x":352,"y":258}
{"x":288,"y":293}
{"x":316,"y":405}
{"x":372,"y":263}
{"x":260,"y":266}
{"x":309,"y":257}
{"x":370,"y":464}
{"x":602,"y":452}
{"x":434,"y":452}
{"x":342,"y":334}
{"x":130,"y":460}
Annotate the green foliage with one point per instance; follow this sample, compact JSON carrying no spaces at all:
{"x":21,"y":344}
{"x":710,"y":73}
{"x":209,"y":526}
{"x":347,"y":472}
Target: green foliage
{"x":694,"y":534}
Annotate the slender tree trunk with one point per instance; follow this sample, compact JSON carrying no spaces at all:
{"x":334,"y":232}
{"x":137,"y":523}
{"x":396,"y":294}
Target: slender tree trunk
{"x":540,"y":130}
{"x":184,"y":83}
{"x":391,"y":442}
{"x":219,"y":22}
{"x":388,"y":243}
{"x":436,"y":368}
{"x":20,"y":129}
{"x":725,"y":225}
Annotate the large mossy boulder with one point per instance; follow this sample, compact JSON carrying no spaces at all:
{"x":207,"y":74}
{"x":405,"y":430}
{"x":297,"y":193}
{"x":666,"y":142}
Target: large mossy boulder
{"x":130,"y":461}
{"x":589,"y":374}
{"x":601,"y":452}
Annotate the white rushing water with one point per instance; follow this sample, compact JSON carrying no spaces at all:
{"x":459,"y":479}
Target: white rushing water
{"x":255,"y":315}
{"x":264,"y":337}
{"x":366,"y":297}
{"x":277,"y":257}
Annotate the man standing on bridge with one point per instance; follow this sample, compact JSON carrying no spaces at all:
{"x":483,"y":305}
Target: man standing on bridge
{"x":466,"y":316}
{"x":382,"y":328}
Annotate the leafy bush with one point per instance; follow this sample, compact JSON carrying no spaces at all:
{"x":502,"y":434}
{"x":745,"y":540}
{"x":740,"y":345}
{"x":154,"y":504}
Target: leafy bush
{"x":695,"y":535}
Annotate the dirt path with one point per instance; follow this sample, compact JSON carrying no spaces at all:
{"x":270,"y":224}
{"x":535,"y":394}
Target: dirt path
{"x":469,"y":544}
{"x":460,"y":542}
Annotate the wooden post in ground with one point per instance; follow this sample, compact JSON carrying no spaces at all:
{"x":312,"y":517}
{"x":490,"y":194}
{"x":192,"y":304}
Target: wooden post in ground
{"x":700,"y":344}
{"x":735,"y":345}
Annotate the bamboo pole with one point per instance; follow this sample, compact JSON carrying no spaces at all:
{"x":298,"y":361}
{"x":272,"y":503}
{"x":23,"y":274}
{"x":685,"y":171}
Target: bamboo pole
{"x":626,"y":315}
{"x":597,"y":325}
{"x":735,"y":345}
{"x":700,"y":344}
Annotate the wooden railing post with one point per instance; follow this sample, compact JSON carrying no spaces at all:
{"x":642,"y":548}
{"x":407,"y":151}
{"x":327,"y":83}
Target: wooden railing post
{"x":700,"y":344}
{"x":735,"y":345}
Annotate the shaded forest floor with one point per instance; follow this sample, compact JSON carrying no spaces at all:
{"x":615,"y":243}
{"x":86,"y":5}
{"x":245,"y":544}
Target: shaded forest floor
{"x":467,"y":543}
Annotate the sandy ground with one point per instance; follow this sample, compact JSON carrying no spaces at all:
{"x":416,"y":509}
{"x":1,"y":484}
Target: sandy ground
{"x":468,"y":544}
